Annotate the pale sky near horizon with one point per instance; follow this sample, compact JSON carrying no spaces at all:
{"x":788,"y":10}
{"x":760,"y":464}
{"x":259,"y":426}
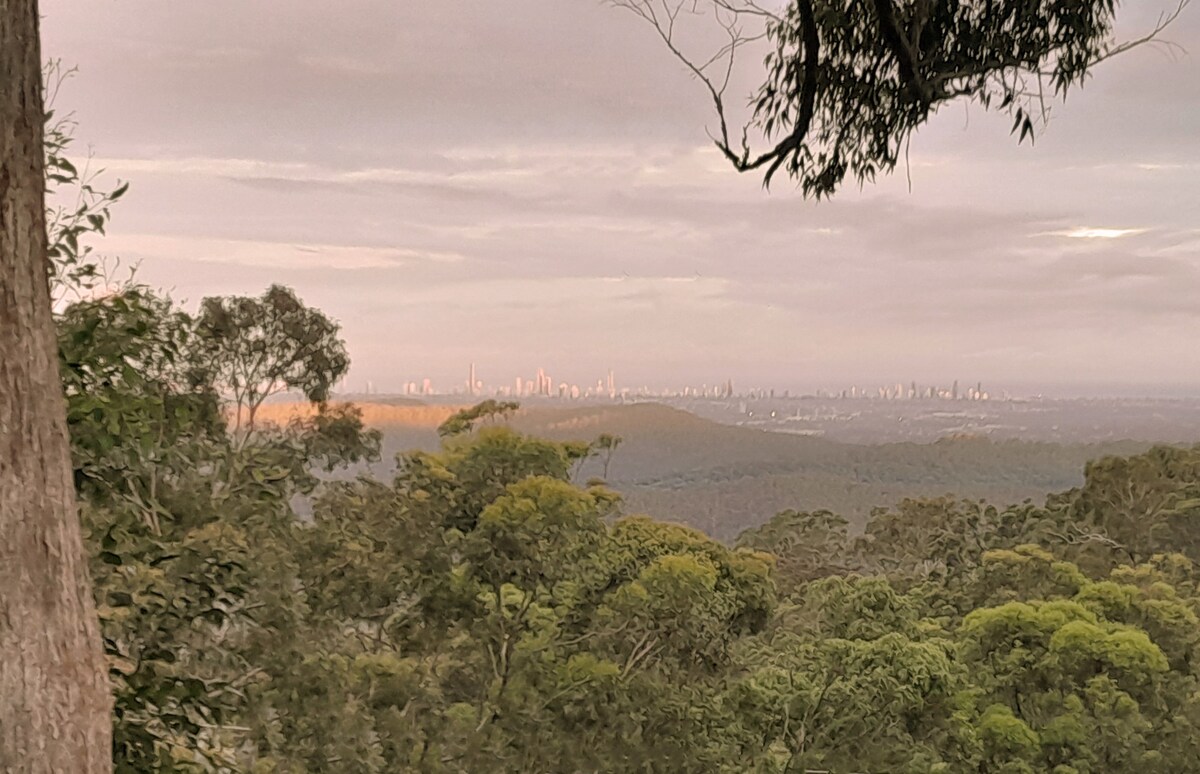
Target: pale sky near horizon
{"x":528,"y":183}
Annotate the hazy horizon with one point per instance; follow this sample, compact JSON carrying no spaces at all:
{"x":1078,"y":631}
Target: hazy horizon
{"x":529,"y":184}
{"x":796,"y":387}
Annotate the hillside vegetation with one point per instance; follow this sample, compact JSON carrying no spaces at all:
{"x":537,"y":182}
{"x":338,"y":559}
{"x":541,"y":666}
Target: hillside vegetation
{"x":489,"y":604}
{"x":480,"y":610}
{"x":723,"y":479}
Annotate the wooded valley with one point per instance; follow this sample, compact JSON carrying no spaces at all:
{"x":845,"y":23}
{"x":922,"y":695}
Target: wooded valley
{"x":482,"y":610}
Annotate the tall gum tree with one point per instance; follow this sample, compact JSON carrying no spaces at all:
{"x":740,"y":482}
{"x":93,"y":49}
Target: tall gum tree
{"x":54,"y":693}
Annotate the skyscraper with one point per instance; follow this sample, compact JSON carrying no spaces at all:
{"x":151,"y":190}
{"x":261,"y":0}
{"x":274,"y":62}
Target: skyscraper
{"x":471,"y":381}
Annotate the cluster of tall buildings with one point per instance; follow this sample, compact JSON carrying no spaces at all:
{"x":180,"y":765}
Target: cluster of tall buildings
{"x":721,"y":391}
{"x":412,"y":389}
{"x":543,"y":385}
{"x":899,"y":391}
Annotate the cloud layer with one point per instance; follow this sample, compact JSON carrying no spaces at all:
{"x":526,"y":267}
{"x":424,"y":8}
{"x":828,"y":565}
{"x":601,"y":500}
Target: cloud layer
{"x":528,"y":183}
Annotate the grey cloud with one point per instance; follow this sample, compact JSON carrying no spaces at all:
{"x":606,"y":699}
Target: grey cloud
{"x":555,"y":150}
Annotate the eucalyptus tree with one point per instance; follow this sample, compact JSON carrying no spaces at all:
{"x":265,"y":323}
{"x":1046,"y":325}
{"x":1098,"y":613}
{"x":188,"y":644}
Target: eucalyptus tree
{"x":846,"y":84}
{"x":259,"y":347}
{"x":54,"y":714}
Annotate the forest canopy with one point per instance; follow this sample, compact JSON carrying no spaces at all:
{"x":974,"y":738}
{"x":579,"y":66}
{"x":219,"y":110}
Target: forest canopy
{"x":484,"y":610}
{"x":489,"y":608}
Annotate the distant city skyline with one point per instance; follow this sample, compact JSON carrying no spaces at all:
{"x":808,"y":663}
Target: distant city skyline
{"x":416,"y":386}
{"x":502,"y":380}
{"x":544,"y":382}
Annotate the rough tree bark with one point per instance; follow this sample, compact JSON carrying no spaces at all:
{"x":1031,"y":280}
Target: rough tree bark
{"x":54,"y":692}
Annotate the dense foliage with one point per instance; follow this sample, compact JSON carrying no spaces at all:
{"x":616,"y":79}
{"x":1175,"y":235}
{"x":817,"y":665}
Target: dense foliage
{"x":484,"y":611}
{"x":723,"y":479}
{"x":846,"y":84}
{"x":851,"y":81}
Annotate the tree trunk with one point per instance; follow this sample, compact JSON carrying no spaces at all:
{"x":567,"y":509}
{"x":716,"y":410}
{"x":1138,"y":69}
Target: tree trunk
{"x":54,"y":691}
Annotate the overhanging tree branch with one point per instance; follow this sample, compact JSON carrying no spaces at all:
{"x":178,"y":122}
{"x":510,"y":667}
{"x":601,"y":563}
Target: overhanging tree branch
{"x":847,"y":83}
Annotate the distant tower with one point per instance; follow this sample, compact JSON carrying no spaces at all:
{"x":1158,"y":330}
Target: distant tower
{"x":471,"y":381}
{"x":954,"y":391}
{"x":612,"y":383}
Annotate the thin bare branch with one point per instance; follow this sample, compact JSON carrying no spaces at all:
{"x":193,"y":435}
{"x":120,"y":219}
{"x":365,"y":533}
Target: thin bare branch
{"x":662,"y":16}
{"x":748,"y":7}
{"x":1165,"y":20}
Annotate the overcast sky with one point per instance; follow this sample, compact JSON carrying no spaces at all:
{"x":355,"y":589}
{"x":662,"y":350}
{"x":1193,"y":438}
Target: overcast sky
{"x":525,"y":183}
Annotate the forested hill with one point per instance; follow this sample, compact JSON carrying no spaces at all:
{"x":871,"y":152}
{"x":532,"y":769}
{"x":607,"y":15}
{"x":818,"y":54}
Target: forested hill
{"x":481,"y":610}
{"x":724,"y":479}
